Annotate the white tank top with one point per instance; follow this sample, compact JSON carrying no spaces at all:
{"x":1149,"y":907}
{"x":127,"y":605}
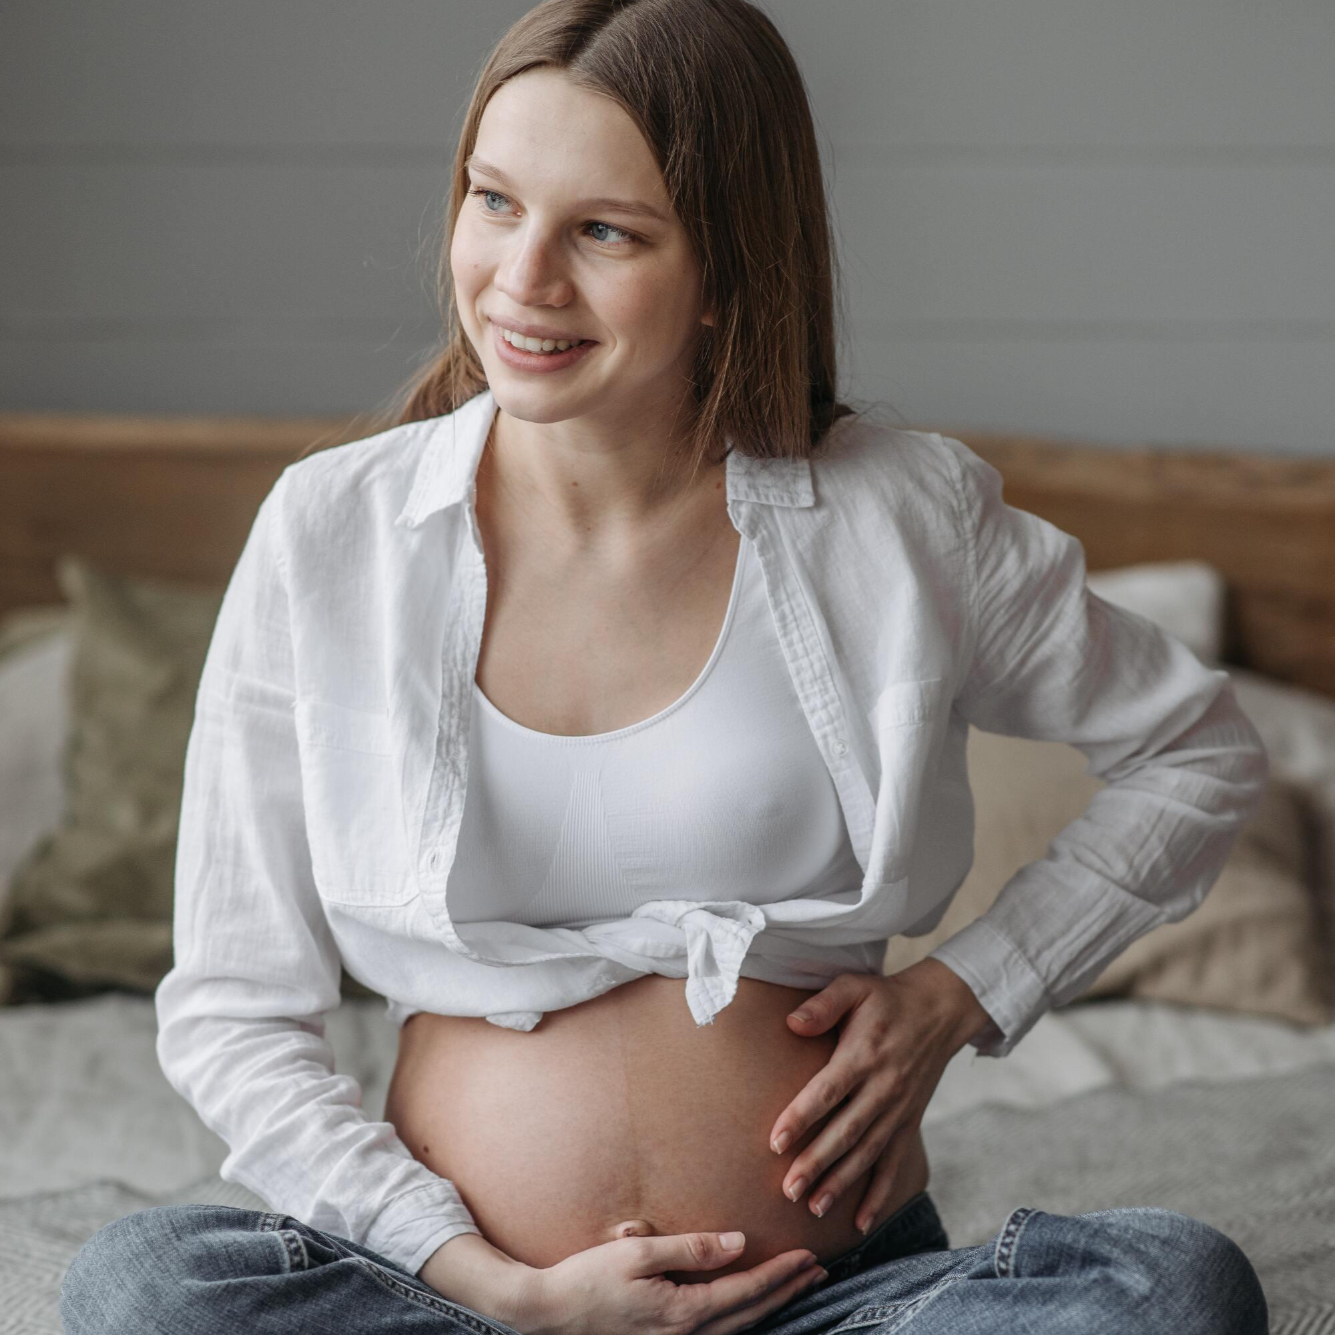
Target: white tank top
{"x":723,"y":795}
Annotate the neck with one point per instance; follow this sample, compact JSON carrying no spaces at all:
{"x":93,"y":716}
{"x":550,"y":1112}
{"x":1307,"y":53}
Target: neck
{"x":594,"y":494}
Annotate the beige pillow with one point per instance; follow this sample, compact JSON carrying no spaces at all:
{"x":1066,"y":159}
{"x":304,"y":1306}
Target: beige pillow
{"x":1253,"y":944}
{"x":90,"y":905}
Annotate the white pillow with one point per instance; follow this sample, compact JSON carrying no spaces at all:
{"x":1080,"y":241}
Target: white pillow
{"x":1298,"y":729}
{"x":1185,"y":598}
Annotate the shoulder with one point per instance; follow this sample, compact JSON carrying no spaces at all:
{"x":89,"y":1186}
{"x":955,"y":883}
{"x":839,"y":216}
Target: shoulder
{"x":889,"y":541}
{"x":868,"y":467}
{"x":362,"y":480}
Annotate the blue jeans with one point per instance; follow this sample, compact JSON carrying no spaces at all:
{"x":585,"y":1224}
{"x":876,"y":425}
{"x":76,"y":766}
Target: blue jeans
{"x":205,"y":1269}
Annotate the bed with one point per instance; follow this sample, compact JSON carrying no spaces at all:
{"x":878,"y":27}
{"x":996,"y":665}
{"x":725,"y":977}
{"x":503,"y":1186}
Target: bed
{"x":1171,"y":1088}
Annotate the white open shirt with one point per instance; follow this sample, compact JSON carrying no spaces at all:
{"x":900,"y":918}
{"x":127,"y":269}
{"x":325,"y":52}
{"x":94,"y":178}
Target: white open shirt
{"x":326,"y":771}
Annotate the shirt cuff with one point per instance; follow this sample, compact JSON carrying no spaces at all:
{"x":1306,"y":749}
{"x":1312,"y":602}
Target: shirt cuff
{"x":416,"y":1222}
{"x":1003,"y":981}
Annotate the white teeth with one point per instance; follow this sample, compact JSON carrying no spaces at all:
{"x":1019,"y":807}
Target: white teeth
{"x":539,"y":344}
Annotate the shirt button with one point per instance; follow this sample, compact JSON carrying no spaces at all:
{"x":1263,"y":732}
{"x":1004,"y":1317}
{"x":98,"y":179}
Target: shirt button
{"x":840,"y":746}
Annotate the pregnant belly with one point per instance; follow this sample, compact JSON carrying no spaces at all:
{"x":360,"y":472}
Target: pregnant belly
{"x":623,"y":1108}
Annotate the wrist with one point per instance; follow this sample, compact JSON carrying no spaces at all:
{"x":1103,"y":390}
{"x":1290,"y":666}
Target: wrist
{"x":968,"y":1017}
{"x":530,"y":1310}
{"x":470,"y":1270}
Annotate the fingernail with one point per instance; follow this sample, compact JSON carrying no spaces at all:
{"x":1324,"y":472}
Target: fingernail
{"x":731,"y":1242}
{"x":781,"y":1142}
{"x":797,"y":1188}
{"x":822,"y":1203}
{"x":863,"y":1226}
{"x":801,"y":1015}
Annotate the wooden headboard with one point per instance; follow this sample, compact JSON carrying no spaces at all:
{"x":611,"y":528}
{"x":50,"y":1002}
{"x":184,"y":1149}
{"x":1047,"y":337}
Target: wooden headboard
{"x":174,"y":497}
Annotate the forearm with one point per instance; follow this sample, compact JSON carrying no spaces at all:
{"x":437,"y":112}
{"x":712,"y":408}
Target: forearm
{"x":469,"y":1270}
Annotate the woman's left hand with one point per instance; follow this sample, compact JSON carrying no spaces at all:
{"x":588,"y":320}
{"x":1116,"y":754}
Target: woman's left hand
{"x":899,"y":1032}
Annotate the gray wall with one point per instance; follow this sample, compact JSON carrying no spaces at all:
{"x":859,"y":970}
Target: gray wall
{"x":1115,"y":220}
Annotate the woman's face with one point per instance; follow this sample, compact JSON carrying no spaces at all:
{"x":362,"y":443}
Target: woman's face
{"x":530,"y":247}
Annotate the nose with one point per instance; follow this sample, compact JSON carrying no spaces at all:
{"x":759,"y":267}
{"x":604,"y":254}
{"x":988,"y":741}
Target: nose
{"x":533,"y":275}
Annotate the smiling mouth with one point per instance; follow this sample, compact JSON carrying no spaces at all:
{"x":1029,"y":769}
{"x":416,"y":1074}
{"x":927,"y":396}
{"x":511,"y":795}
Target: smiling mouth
{"x":529,"y":343}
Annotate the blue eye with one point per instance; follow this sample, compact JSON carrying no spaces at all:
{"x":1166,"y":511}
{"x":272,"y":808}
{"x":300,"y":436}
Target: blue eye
{"x":630,"y":240}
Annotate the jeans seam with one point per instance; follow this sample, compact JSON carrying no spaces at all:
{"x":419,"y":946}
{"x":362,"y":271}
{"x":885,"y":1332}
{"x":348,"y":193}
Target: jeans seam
{"x":898,"y":1312}
{"x":295,"y":1255}
{"x":433,"y":1302}
{"x":299,"y":1257}
{"x":1008,"y":1240}
{"x":915,"y":1307}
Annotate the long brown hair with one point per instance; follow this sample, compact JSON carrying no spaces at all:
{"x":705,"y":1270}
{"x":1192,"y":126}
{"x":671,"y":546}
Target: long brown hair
{"x":716,"y":93}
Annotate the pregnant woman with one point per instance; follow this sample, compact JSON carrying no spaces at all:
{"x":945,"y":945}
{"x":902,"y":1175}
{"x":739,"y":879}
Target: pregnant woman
{"x":606,"y":713}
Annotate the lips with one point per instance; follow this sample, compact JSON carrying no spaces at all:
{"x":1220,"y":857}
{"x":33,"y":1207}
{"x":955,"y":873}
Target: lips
{"x":524,"y":360}
{"x":533,"y":331}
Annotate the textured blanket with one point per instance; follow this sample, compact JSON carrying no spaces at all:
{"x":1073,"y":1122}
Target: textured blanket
{"x":1255,"y":1158}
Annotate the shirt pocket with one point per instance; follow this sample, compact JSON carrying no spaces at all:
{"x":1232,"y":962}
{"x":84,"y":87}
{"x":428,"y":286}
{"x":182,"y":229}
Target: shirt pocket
{"x":909,"y":719}
{"x":354,"y":809}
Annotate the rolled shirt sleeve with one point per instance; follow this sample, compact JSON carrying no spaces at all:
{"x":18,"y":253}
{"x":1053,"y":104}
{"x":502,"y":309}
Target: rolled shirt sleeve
{"x":241,"y":1032}
{"x":1184,"y":767}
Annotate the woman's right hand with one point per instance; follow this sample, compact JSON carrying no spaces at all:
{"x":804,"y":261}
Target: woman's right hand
{"x":621,"y":1286}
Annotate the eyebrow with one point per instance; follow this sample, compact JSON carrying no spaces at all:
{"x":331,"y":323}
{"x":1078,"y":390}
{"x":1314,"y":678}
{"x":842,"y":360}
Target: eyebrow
{"x":632,"y":206}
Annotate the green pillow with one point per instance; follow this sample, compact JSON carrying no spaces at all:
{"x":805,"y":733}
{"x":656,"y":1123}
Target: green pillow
{"x":90,"y":905}
{"x":27,"y":625}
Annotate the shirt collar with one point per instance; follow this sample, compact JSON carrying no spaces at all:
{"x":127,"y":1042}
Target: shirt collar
{"x":454,"y":445}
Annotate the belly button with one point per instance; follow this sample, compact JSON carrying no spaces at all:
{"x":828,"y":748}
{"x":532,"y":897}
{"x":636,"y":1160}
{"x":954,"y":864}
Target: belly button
{"x":633,"y":1228}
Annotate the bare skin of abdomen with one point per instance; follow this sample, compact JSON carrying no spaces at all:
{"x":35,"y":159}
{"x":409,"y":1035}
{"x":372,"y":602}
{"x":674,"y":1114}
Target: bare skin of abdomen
{"x":622,"y":1108}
